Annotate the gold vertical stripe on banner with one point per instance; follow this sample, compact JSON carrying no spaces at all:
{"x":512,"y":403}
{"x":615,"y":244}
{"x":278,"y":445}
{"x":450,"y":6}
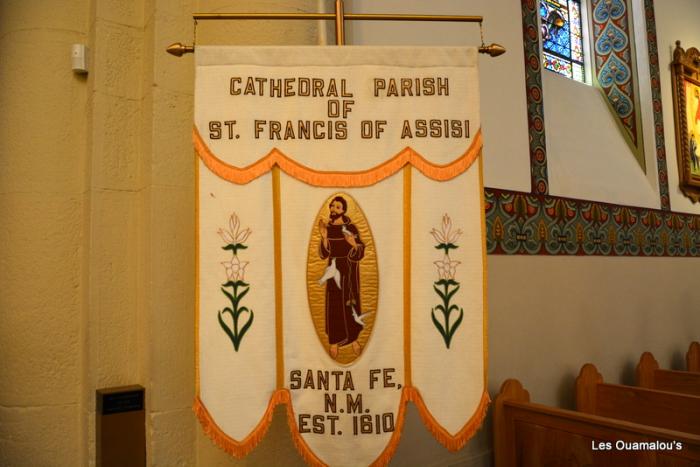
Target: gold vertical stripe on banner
{"x":407,"y":273}
{"x":484,"y":276}
{"x":196,"y":275}
{"x":277,"y":222}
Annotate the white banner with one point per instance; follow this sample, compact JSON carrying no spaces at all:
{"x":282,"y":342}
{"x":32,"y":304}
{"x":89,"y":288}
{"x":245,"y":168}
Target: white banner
{"x":340,"y":246}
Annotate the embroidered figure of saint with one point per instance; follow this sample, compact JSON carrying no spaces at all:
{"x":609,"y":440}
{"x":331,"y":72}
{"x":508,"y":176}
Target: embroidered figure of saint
{"x":342,"y":246}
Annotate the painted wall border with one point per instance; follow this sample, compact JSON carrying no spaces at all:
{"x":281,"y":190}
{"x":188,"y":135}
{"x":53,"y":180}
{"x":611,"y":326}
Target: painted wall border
{"x":536,"y":223}
{"x":613,"y":66}
{"x":519,"y":223}
{"x":535,"y":105}
{"x":656,"y":102}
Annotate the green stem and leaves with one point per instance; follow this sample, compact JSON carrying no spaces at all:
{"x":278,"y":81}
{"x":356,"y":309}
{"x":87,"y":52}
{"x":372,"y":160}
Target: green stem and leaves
{"x":239,"y":289}
{"x":234,"y":247}
{"x":446,"y":247}
{"x":446,"y":289}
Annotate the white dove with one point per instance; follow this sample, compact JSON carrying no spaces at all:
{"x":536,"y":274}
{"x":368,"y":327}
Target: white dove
{"x":359,"y":319}
{"x":330,"y":272}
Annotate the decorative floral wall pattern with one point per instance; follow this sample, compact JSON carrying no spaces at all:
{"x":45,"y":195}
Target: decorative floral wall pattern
{"x":523,"y":223}
{"x":612,"y":53}
{"x":535,"y":105}
{"x":656,"y":101}
{"x":538,"y":224}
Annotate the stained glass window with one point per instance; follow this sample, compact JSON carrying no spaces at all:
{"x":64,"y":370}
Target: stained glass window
{"x":562,"y":37}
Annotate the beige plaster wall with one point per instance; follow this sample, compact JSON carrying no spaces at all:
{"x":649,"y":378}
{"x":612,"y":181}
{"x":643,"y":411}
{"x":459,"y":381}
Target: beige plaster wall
{"x":114,"y":347}
{"x":550,"y":315}
{"x":44,"y":199}
{"x":71,"y":182}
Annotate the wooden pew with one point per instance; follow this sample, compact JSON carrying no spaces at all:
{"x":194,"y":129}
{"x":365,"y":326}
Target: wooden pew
{"x":649,"y":375}
{"x":692,"y":358}
{"x":663,"y":409}
{"x":534,"y":435}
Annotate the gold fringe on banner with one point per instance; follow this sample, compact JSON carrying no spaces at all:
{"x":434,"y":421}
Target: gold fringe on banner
{"x":243,"y":175}
{"x":304,"y":450}
{"x":239,"y":449}
{"x":451,"y":442}
{"x":390,"y":449}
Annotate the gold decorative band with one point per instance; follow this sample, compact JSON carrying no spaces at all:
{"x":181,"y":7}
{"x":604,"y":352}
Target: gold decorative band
{"x":279,"y":323}
{"x":485,"y":275}
{"x":196,"y":275}
{"x":407,"y":274}
{"x":242,"y":175}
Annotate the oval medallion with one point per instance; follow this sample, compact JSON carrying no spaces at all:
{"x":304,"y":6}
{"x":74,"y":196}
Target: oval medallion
{"x":342,"y":278}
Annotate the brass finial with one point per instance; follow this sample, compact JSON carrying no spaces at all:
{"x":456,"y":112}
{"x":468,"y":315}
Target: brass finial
{"x":493,"y":50}
{"x":179,"y":49}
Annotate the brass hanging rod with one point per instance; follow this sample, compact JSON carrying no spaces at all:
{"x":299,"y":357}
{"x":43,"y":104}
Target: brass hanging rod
{"x":346,"y":16}
{"x":178,"y":49}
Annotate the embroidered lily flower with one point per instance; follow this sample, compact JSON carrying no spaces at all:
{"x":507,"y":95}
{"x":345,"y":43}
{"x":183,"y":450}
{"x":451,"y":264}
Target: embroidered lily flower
{"x":446,"y":234}
{"x":446,"y":267}
{"x":446,"y":237}
{"x":234,"y":236}
{"x":235,"y":269}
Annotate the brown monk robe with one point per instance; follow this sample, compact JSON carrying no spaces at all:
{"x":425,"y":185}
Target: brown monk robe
{"x":341,"y":241}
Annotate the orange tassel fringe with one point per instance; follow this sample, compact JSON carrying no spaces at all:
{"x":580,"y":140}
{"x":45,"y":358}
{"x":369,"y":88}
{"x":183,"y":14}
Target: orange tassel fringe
{"x":456,"y":442}
{"x":304,"y":451}
{"x":243,"y":175}
{"x":240,"y":449}
{"x":390,"y":448}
